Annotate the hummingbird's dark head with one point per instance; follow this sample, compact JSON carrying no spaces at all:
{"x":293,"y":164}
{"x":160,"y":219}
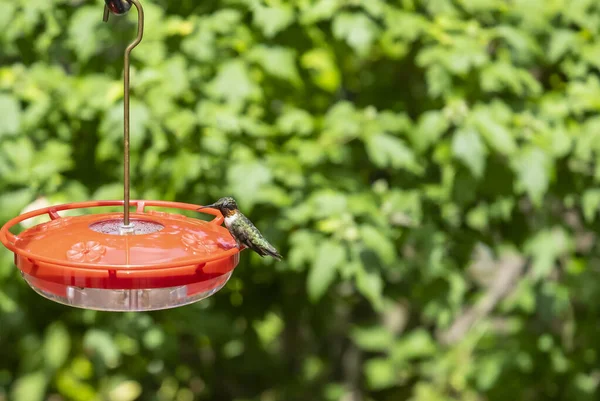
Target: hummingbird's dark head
{"x":226,"y":206}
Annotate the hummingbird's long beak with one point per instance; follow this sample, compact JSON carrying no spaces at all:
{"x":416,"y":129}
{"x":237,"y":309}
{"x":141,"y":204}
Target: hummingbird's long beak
{"x":211,"y":206}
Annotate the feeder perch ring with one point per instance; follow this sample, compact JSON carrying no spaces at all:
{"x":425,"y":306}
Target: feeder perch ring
{"x":165,"y":259}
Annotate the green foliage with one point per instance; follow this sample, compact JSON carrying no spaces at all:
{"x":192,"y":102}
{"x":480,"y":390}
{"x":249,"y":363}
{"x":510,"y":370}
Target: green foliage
{"x":396,"y":152}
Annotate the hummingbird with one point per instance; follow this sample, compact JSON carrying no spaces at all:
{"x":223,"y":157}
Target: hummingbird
{"x":241,"y":228}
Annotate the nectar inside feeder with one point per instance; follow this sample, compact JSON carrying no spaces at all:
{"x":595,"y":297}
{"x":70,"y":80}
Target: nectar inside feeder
{"x":146,"y":260}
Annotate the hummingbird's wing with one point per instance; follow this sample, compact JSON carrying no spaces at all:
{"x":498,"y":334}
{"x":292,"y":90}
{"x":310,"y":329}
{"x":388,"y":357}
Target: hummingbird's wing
{"x":247,"y":234}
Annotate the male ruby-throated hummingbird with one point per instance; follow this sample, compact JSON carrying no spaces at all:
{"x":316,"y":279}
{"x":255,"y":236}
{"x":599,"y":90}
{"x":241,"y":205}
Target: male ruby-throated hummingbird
{"x":242,"y":229}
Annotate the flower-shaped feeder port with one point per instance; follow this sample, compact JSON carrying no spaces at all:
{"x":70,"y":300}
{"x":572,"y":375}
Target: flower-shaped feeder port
{"x":165,"y":260}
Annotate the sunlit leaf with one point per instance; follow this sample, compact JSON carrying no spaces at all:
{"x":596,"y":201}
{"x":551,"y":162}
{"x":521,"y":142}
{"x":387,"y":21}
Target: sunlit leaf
{"x":233,"y":83}
{"x":100,"y":343}
{"x":545,"y":247}
{"x":590,"y":203}
{"x":296,"y":121}
{"x":10,"y":110}
{"x":385,"y":150}
{"x":533,"y":166}
{"x":497,"y":135}
{"x":357,"y":30}
{"x":279,"y":62}
{"x":272,"y":20}
{"x":380,"y":373}
{"x":468,"y":148}
{"x":374,"y":338}
{"x":82,"y":32}
{"x":416,"y":344}
{"x":57,"y":344}
{"x":323,"y":68}
{"x":269,"y":328}
{"x":329,"y":257}
{"x":128,"y":390}
{"x":30,"y":387}
{"x":370,"y":285}
{"x":246,"y":179}
{"x":377,"y":241}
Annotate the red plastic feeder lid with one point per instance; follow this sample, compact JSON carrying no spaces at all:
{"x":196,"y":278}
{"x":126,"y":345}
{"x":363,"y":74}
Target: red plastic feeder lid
{"x":165,"y":259}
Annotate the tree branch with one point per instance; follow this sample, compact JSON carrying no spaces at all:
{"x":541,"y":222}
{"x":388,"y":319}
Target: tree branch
{"x":510,"y":268}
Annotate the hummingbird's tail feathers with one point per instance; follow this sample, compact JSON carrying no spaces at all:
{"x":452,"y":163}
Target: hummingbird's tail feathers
{"x":273,"y":252}
{"x":263,"y":251}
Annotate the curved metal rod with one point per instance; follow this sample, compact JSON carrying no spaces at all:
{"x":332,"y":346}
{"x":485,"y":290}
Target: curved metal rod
{"x":137,"y":40}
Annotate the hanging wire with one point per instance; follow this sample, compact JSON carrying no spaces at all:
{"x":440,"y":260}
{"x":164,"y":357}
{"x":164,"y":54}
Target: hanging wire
{"x":122,"y":7}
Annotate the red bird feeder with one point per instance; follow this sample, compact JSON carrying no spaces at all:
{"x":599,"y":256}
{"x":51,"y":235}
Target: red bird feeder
{"x":147,"y":260}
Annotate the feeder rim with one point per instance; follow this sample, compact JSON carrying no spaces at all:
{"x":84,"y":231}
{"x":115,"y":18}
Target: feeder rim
{"x":9,"y":239}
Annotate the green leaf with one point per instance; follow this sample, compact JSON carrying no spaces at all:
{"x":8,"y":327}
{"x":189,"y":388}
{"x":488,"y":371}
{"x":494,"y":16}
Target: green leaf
{"x":53,"y":159}
{"x":112,"y":127}
{"x":376,"y":8}
{"x":496,"y":134}
{"x":503,"y":75}
{"x":225,"y":20}
{"x":303,"y":243}
{"x":279,"y":62}
{"x":329,"y":258}
{"x":201,"y":45}
{"x":30,"y":387}
{"x":478,"y":218}
{"x":342,"y":122}
{"x":110,"y":191}
{"x":57,"y":344}
{"x":326,"y":203}
{"x":358,"y":30}
{"x":586,"y":383}
{"x":176,"y":68}
{"x":380,"y":373}
{"x":416,"y":344}
{"x":323,"y":67}
{"x":439,"y":80}
{"x":273,"y":20}
{"x":313,"y":367}
{"x":546,"y":247}
{"x":376,"y":240}
{"x":233,"y":83}
{"x":561,"y":41}
{"x":10,"y":110}
{"x":11,"y":203}
{"x":128,"y":390}
{"x":7,"y":304}
{"x":375,"y":338}
{"x":431,"y":127}
{"x":269,"y":328}
{"x":468,"y":147}
{"x":320,"y":10}
{"x":489,"y":372}
{"x":181,"y":123}
{"x":387,"y":151}
{"x":590,"y":202}
{"x":296,"y":121}
{"x":7,"y":16}
{"x":154,"y":338}
{"x":246,"y":179}
{"x":370,"y":284}
{"x":83,"y":37}
{"x":101,"y":343}
{"x":532,"y":167}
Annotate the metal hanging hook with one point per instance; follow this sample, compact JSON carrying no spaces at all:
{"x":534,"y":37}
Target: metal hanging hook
{"x":120,"y":7}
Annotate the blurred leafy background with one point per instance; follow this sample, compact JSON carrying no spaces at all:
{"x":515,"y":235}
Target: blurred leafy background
{"x":428,"y":168}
